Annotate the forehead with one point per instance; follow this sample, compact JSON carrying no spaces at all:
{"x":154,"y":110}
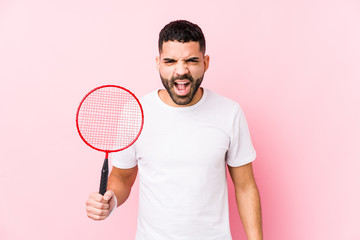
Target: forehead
{"x":177,"y":49}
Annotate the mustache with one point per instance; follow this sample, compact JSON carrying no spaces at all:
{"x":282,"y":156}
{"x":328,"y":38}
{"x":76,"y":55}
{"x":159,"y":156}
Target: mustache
{"x":182,"y":77}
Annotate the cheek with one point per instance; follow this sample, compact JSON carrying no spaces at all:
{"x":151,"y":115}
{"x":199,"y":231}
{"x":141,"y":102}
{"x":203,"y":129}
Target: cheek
{"x":197,"y":72}
{"x":166,"y":72}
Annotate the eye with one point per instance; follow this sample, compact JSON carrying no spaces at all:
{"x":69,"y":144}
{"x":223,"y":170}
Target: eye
{"x":169,"y":60}
{"x":192,"y":60}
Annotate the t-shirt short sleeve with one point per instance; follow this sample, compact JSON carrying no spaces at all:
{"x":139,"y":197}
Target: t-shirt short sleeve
{"x":241,"y":150}
{"x":124,"y":159}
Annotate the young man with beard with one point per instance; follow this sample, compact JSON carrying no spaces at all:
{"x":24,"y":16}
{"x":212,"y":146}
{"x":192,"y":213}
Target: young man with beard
{"x":189,"y":137}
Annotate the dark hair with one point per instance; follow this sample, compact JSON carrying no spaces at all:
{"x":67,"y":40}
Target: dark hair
{"x":182,"y":31}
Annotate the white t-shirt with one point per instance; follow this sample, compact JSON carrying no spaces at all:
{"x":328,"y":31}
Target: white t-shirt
{"x":181,"y":156}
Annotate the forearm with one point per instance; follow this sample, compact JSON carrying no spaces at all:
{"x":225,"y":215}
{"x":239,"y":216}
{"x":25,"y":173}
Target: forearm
{"x":121,"y":185}
{"x":249,"y":206}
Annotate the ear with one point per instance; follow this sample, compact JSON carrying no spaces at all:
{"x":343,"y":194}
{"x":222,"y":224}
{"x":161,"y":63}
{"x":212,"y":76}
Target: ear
{"x":206,"y":62}
{"x":158,"y":62}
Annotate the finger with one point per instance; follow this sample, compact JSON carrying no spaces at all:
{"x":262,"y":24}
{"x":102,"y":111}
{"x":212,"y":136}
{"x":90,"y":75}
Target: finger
{"x":95,"y":199}
{"x":95,"y":211}
{"x":98,"y":205}
{"x":96,"y":217}
{"x":96,"y":196}
{"x":108,"y":195}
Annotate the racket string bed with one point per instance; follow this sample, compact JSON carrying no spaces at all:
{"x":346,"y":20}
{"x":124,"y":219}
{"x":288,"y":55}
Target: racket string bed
{"x":110,"y":118}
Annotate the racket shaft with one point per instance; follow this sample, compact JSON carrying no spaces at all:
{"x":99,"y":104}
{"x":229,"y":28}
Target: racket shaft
{"x":104,"y":177}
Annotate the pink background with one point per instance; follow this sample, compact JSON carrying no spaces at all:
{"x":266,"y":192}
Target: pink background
{"x":292,"y":65}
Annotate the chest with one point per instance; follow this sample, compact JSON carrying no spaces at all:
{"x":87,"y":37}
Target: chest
{"x":174,"y":142}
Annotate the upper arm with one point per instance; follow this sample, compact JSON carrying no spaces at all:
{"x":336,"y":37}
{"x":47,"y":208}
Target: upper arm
{"x":127,"y":176}
{"x":242,"y":176}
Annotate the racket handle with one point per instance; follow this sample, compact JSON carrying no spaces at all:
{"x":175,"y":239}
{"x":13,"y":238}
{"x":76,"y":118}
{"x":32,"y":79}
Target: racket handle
{"x":104,"y":177}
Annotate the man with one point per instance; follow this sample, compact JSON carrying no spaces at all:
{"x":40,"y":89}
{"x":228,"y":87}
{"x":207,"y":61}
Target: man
{"x":189,"y":136}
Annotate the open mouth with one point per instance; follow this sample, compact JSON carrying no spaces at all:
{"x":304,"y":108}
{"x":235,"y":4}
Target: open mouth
{"x":182,"y":88}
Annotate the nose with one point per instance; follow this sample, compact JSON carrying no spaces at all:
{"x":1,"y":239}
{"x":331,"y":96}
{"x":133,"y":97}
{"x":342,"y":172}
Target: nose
{"x":181,"y":68}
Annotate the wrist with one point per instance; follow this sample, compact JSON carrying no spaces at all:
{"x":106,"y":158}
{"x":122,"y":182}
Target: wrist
{"x":115,"y":205}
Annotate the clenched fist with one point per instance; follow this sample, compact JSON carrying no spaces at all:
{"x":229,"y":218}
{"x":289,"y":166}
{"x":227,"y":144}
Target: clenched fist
{"x":99,"y":207}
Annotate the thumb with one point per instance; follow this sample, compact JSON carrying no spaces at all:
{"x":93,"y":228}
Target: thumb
{"x":108,"y":195}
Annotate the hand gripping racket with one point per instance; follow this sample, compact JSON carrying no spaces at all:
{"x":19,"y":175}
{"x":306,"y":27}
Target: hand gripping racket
{"x":109,"y":119}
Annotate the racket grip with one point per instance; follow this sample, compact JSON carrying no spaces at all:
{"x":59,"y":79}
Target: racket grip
{"x":104,"y":177}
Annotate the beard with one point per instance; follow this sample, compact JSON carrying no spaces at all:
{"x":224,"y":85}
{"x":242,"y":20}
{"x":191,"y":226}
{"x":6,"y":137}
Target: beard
{"x":169,"y":85}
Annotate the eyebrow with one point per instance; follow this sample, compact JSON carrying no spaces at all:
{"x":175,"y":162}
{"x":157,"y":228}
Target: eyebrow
{"x":189,"y":59}
{"x":168,"y":59}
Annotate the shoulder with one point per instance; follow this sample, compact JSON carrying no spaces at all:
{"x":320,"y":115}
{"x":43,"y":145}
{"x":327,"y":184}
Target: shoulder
{"x":148,"y":97}
{"x":220,"y":103}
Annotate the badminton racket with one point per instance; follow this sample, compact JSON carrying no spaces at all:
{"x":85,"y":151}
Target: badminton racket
{"x":109,"y":119}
